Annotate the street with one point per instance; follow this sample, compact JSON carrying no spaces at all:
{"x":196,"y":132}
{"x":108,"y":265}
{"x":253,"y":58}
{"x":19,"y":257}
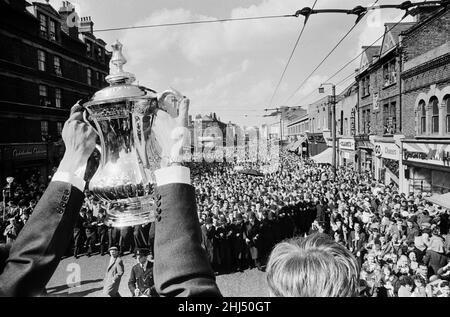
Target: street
{"x":250,"y":283}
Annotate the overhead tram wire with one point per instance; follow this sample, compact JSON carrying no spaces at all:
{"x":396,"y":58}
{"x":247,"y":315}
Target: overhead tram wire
{"x":198,"y":22}
{"x":325,"y":58}
{"x":290,"y":58}
{"x":359,"y":55}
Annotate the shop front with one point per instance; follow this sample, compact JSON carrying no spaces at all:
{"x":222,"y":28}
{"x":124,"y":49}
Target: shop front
{"x":316,"y":143}
{"x":24,"y":160}
{"x":386,"y":161}
{"x":347,"y":154}
{"x":427,"y":165}
{"x":364,"y":148}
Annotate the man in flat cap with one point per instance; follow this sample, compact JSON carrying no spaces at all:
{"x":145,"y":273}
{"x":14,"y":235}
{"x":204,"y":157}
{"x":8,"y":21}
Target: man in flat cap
{"x":141,"y":283}
{"x":114,"y":273}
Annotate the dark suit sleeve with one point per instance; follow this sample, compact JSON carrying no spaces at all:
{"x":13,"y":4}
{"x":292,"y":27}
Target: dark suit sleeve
{"x":36,"y":253}
{"x":132,"y":282}
{"x":181,"y":264}
{"x":120,"y":268}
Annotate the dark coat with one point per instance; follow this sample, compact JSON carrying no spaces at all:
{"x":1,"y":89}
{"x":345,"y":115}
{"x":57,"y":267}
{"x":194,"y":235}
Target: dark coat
{"x":181,"y":266}
{"x":36,"y":253}
{"x":143,"y":280}
{"x":113,"y":276}
{"x":208,"y":241}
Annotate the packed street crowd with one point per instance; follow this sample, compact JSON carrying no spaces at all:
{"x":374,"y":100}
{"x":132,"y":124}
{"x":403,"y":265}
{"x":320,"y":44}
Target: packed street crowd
{"x":401,"y":242}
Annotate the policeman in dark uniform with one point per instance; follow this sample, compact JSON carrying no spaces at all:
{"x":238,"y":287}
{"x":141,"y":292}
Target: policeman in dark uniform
{"x":102,"y":231}
{"x":78,"y":232}
{"x":90,"y":226}
{"x":238,"y":242}
{"x":252,"y":236}
{"x":141,"y":282}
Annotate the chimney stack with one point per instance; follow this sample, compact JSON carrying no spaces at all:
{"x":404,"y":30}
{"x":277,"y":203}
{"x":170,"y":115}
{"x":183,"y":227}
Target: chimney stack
{"x":86,"y":25}
{"x":69,"y":19}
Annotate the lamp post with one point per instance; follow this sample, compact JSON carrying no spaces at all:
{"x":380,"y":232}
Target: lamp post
{"x":333,"y":122}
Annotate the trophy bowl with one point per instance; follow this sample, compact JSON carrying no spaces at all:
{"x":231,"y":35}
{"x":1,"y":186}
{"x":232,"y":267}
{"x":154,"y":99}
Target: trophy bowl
{"x":122,"y":115}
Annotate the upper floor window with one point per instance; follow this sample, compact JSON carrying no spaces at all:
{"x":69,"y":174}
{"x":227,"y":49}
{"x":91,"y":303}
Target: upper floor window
{"x":42,"y":60}
{"x":43,"y":96}
{"x":44,"y":130}
{"x":89,"y":49}
{"x":58,"y":98}
{"x":447,"y":118}
{"x":423,"y":117}
{"x":434,"y":115}
{"x":57,"y":65}
{"x":366,"y":86}
{"x":52,"y":30}
{"x":59,"y":127}
{"x":390,"y":118}
{"x":43,"y":25}
{"x":390,"y":73}
{"x":89,"y":77}
{"x":100,"y":53}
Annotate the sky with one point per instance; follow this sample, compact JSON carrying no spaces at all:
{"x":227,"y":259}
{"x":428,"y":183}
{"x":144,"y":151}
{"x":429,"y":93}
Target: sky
{"x":232,"y":68}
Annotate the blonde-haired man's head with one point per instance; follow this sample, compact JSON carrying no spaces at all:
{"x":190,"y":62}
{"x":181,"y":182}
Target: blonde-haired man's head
{"x":315,"y":266}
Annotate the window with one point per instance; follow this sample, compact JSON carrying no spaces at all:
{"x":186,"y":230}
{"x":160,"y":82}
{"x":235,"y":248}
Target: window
{"x":366,"y":86}
{"x":434,"y":115}
{"x":423,"y":117}
{"x":59,"y":127}
{"x":447,"y":102}
{"x":52,"y":30}
{"x":57,"y":65}
{"x":99,"y":54}
{"x":43,"y":25}
{"x":42,"y":60}
{"x":390,"y":118}
{"x":44,"y":130}
{"x":390,"y":73}
{"x":58,"y":97}
{"x":367,"y":122}
{"x":89,"y":77}
{"x":89,"y":49}
{"x":43,"y":96}
{"x":346,"y":132}
{"x":97,"y":77}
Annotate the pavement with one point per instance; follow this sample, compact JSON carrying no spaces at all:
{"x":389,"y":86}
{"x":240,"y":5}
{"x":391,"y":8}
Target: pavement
{"x":83,"y":277}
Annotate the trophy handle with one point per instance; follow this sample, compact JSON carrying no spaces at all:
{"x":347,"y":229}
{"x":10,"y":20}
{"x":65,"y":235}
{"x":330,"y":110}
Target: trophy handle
{"x":168,"y":101}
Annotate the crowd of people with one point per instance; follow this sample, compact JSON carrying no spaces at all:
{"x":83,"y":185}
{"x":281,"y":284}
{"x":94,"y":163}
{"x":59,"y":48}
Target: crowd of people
{"x":401,"y":241}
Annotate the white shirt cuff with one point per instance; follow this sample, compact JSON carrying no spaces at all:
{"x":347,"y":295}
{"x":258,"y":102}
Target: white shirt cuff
{"x":70,"y":178}
{"x":172,"y":175}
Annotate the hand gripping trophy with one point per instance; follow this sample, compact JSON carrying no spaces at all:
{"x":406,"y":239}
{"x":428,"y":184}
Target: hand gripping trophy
{"x":122,"y":115}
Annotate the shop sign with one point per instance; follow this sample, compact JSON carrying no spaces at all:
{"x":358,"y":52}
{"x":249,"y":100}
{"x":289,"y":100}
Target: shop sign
{"x":347,"y":144}
{"x":25,"y":152}
{"x":430,"y":153}
{"x":387,"y":150}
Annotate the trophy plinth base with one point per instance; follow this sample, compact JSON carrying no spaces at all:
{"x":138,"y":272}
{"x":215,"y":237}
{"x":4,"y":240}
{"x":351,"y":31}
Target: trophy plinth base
{"x":131,"y":212}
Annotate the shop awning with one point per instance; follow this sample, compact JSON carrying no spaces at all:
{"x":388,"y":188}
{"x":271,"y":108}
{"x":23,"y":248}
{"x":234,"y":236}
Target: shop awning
{"x":366,"y":145}
{"x":298,"y":143}
{"x":441,"y":200}
{"x":324,"y":157}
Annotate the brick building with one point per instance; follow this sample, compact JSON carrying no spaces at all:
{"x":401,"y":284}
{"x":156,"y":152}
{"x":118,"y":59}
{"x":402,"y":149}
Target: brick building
{"x":380,"y":107}
{"x":426,"y":103}
{"x":46,"y":65}
{"x":346,"y":109}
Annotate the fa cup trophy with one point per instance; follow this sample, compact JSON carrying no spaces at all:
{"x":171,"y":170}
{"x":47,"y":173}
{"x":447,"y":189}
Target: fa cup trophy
{"x":122,"y":115}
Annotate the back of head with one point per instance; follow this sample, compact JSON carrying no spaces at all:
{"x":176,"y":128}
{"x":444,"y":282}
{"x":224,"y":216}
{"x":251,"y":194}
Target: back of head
{"x":315,"y":266}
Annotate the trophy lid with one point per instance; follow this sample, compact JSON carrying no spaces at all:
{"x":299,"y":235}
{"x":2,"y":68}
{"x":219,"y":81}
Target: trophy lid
{"x":120,"y":81}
